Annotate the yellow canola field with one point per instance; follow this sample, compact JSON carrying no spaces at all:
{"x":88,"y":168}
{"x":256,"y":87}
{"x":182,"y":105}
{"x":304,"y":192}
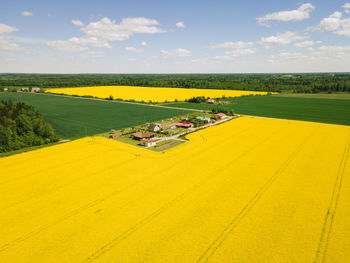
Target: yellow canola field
{"x":151,"y":94}
{"x":249,"y":190}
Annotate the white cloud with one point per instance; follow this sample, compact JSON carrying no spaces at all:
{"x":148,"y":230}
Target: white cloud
{"x":100,"y":33}
{"x":307,"y":43}
{"x":77,"y":22}
{"x":64,"y":45}
{"x":26,"y":13}
{"x":237,"y":44}
{"x":179,"y":52}
{"x":240,"y":51}
{"x":180,"y":24}
{"x":93,"y":54}
{"x":143,"y":43}
{"x":280,"y":39}
{"x":334,"y":23}
{"x":133,"y":49}
{"x":346,"y":6}
{"x":8,"y":45}
{"x":4,"y":29}
{"x":302,"y":13}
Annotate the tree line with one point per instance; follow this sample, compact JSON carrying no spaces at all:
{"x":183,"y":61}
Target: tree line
{"x":22,"y":126}
{"x":297,"y":83}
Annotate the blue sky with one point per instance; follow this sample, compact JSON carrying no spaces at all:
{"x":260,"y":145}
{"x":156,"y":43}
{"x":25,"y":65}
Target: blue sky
{"x":174,"y":36}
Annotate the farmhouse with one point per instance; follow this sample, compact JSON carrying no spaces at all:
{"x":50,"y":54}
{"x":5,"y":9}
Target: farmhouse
{"x":184,"y":125}
{"x":211,"y":101}
{"x":220,"y":115}
{"x":148,"y":142}
{"x":142,"y":135}
{"x":35,"y":90}
{"x":154,"y":127}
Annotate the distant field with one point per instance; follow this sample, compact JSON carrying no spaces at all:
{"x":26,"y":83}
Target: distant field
{"x":336,"y":96}
{"x":249,"y":190}
{"x":152,"y":94}
{"x":336,"y":111}
{"x":71,"y":117}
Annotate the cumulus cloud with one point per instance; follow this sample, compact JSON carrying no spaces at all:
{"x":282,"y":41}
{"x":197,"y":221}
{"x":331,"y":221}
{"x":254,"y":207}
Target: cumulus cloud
{"x":346,"y":6}
{"x":92,"y":54}
{"x":179,"y":52}
{"x":280,"y":39}
{"x":100,"y":33}
{"x":4,"y":29}
{"x":302,"y":13}
{"x":26,"y":13}
{"x":8,"y":45}
{"x":307,"y":43}
{"x":237,"y":44}
{"x":180,"y":24}
{"x":335,"y":23}
{"x":234,"y":53}
{"x":143,"y":43}
{"x":133,"y":49}
{"x":77,"y":22}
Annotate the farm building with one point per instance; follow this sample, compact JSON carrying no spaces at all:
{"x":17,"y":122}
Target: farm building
{"x":203,"y":119}
{"x":142,"y":135}
{"x":169,"y":126}
{"x":35,"y":90}
{"x":113,"y":136}
{"x":148,"y":142}
{"x":220,"y":115}
{"x":211,"y":101}
{"x":154,"y":127}
{"x":184,"y":125}
{"x":6,"y":89}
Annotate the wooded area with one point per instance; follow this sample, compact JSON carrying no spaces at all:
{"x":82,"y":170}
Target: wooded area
{"x":22,"y":126}
{"x":298,"y":83}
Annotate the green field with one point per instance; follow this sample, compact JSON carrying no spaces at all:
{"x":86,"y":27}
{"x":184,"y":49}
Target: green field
{"x":335,"y":111}
{"x":73,"y":117}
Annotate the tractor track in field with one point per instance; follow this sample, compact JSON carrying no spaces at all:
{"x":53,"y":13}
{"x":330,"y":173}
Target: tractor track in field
{"x":92,"y":204}
{"x":216,"y":244}
{"x":322,"y":247}
{"x":108,"y":246}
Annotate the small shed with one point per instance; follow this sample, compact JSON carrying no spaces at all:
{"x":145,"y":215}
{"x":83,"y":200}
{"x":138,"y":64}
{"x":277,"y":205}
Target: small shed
{"x":169,"y":126}
{"x":6,"y":89}
{"x":211,"y":101}
{"x":113,"y":136}
{"x":154,"y":127}
{"x":142,"y":135}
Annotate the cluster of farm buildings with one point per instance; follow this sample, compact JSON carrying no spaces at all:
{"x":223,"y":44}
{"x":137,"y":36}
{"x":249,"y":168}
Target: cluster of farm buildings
{"x":148,"y":139}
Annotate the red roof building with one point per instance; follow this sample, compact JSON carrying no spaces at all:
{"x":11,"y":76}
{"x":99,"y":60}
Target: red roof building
{"x":184,"y":125}
{"x":220,"y":115}
{"x":143,"y":135}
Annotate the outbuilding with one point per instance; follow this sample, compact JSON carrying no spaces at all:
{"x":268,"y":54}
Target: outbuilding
{"x":154,"y":127}
{"x":148,"y":142}
{"x":184,"y":125}
{"x":142,"y":135}
{"x":220,"y":115}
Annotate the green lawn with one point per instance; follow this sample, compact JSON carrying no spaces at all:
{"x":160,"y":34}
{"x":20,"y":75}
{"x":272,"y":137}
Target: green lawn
{"x":74,"y":118}
{"x":335,"y":111}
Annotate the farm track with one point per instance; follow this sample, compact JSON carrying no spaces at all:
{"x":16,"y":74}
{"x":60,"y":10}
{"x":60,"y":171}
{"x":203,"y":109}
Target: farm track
{"x":215,"y":245}
{"x":321,"y":253}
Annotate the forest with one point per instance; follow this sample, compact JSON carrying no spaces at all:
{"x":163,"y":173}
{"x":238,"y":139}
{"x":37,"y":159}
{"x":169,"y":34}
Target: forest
{"x":21,"y":126}
{"x":293,"y":83}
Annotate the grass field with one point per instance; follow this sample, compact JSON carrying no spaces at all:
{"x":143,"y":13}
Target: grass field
{"x":72,"y":117}
{"x":336,"y":111}
{"x":249,"y":190}
{"x":151,"y":94}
